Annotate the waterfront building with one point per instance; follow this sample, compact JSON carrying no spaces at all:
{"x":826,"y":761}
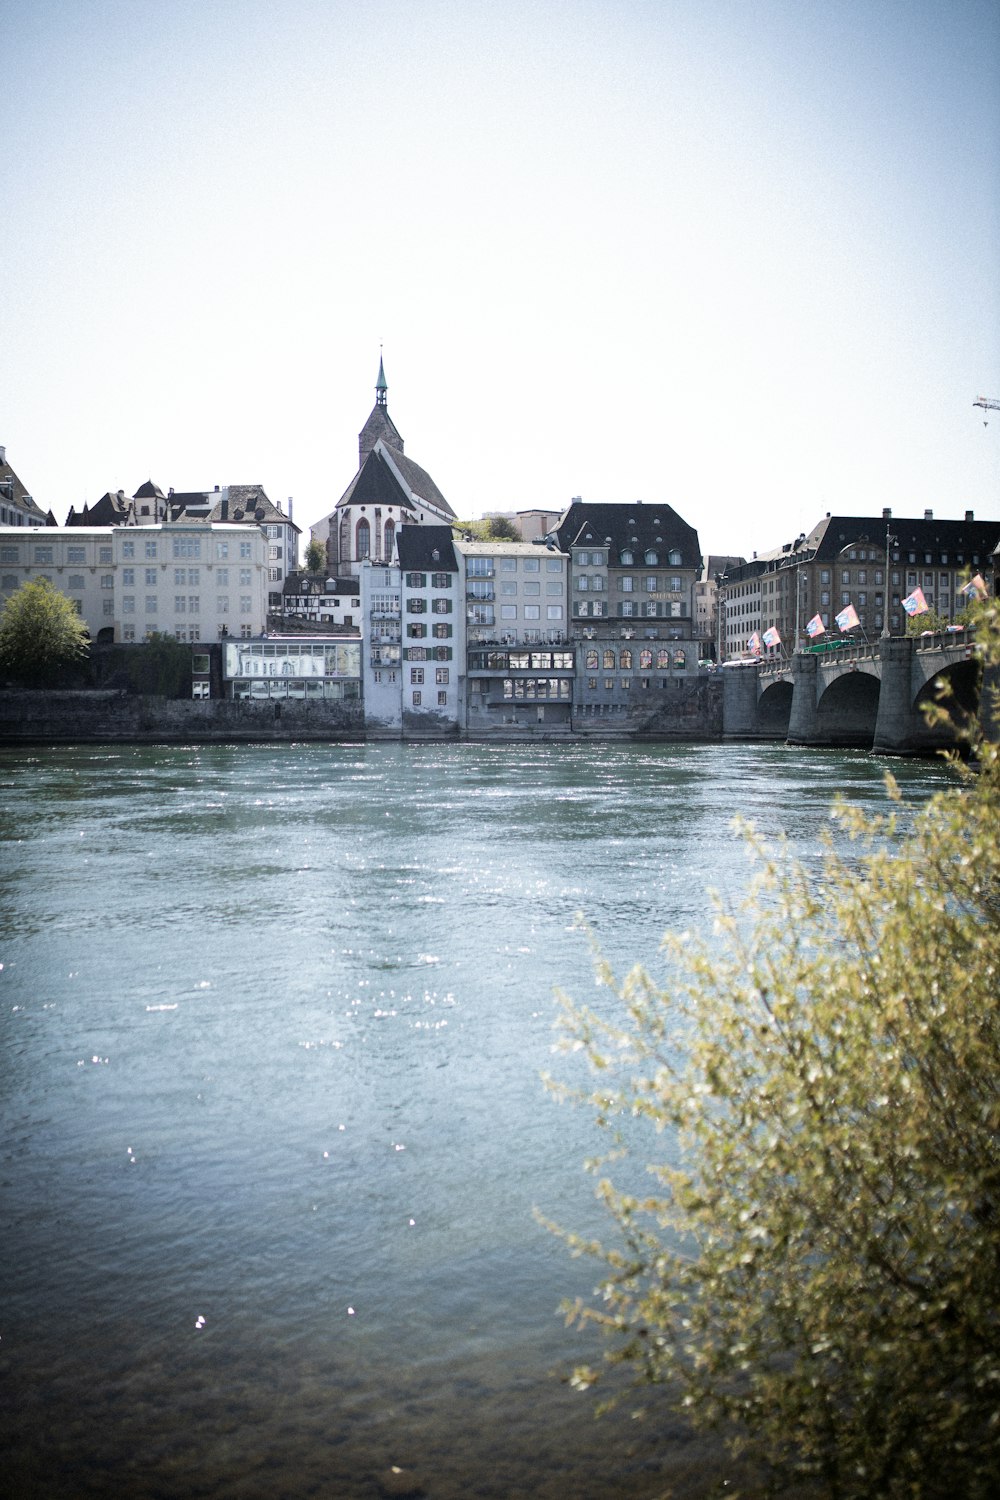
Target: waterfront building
{"x":414,"y":649}
{"x":195,"y":580}
{"x":388,"y":491}
{"x":633,"y":569}
{"x":321,"y":668}
{"x":226,"y":504}
{"x":519,"y":661}
{"x":17,"y":508}
{"x":869,"y":562}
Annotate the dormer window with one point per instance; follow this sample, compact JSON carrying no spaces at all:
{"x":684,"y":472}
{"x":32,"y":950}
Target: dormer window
{"x":674,"y":558}
{"x":651,"y":558}
{"x":627,"y":558}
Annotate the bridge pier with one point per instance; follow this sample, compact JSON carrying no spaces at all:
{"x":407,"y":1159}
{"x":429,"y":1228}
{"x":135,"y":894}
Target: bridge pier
{"x":802,"y":724}
{"x":739,"y":703}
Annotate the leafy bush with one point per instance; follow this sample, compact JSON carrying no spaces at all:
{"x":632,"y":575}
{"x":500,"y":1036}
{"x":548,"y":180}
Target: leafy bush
{"x":816,"y":1263}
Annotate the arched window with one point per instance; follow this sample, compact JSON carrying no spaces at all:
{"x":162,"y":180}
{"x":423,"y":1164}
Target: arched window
{"x":609,"y":661}
{"x":651,"y":558}
{"x":645,"y":660}
{"x":662,"y":659}
{"x":390,"y":540}
{"x":680,"y":660}
{"x":627,"y":558}
{"x":674,"y":559}
{"x":591,"y":661}
{"x":363,"y":539}
{"x":626,"y":660}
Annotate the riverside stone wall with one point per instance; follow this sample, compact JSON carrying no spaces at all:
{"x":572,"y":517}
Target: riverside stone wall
{"x":46,"y":718}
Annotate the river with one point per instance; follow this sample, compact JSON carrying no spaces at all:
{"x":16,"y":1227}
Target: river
{"x":274,"y":1021}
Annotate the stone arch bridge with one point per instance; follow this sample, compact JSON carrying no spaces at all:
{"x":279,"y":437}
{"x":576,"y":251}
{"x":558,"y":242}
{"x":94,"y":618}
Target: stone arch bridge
{"x":869,"y":696}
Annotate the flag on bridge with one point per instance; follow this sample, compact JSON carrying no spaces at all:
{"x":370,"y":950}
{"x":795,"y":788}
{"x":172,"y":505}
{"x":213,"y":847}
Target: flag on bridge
{"x":771,"y":637}
{"x":915,"y":603}
{"x":754,"y":644}
{"x":975,"y":588}
{"x":815,"y":626}
{"x":848,"y":618}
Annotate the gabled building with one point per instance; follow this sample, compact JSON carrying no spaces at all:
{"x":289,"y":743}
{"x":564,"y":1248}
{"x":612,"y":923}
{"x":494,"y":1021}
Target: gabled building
{"x":17,"y":508}
{"x":312,"y":598}
{"x":388,"y":491}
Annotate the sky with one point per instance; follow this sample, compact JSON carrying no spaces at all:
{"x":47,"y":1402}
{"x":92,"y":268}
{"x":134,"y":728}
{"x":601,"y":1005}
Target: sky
{"x":738,"y":256}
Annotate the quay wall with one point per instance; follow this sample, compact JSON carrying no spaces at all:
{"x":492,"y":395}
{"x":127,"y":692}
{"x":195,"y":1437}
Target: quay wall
{"x":98,"y":717}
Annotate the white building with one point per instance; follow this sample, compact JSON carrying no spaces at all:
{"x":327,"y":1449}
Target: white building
{"x":414,"y":637}
{"x":192,"y":580}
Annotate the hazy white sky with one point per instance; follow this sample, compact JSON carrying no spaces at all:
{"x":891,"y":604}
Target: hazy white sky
{"x":741,"y":256}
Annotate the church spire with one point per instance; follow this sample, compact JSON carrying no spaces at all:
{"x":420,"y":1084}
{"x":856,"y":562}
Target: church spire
{"x":381,"y":387}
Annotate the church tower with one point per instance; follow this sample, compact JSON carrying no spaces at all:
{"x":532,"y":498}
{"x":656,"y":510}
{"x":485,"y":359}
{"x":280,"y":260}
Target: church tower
{"x":379,"y":425}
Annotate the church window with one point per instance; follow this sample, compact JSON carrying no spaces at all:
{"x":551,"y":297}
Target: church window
{"x":363,"y":539}
{"x":390,"y":539}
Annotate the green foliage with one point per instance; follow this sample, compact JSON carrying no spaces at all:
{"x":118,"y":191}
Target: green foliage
{"x":315,"y":557}
{"x":932,"y":620}
{"x":489,"y":529}
{"x":816,"y":1261}
{"x":160,"y":666}
{"x":41,"y":633}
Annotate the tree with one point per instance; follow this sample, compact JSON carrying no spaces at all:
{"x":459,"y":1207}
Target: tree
{"x":489,"y":529}
{"x":315,"y":558}
{"x":816,"y":1262}
{"x":41,"y":633}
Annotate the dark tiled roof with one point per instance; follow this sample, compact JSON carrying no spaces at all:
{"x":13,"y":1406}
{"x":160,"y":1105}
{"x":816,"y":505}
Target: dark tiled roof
{"x":293,"y":584}
{"x":375,"y":484}
{"x":911,"y":535}
{"x":247,"y":503}
{"x":421,"y":483}
{"x":416,"y":546}
{"x":14,"y":492}
{"x":113,"y":509}
{"x":637,"y":526}
{"x":149,"y":491}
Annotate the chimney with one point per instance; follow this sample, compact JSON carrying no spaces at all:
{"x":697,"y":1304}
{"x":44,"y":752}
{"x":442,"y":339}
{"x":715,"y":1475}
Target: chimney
{"x":289,"y":507}
{"x":928,"y":515}
{"x":886,"y":513}
{"x":968,"y":514}
{"x":216,"y":489}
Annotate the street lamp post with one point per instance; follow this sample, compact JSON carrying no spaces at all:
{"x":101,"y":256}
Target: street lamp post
{"x":890,"y":540}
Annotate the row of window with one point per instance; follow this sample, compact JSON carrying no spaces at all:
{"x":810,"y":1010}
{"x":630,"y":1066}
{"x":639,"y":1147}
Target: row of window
{"x":484,"y":614}
{"x":184,"y":604}
{"x":485,"y":567}
{"x":663,"y":656}
{"x":504,"y":661}
{"x":419,"y":580}
{"x":419,"y":606}
{"x":441,"y":675}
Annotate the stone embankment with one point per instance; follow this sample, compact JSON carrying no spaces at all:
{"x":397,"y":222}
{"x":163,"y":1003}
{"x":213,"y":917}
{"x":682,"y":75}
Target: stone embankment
{"x":101,"y":717}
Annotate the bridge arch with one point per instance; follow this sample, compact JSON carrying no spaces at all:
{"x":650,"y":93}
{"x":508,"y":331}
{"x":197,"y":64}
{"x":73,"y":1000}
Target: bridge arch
{"x":956,"y":688}
{"x":774,"y":709}
{"x":847,"y":710}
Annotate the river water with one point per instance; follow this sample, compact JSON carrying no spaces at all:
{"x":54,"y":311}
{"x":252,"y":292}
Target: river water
{"x":274,"y":1021}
